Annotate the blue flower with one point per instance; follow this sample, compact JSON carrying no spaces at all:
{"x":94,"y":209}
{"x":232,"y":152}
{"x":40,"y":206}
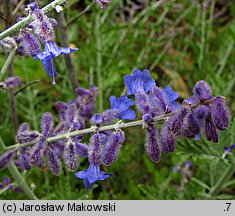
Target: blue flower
{"x":47,"y":57}
{"x":227,"y":150}
{"x":49,"y":66}
{"x":52,"y":51}
{"x":122,"y":105}
{"x":171,"y":96}
{"x":139,"y":81}
{"x":92,"y":175}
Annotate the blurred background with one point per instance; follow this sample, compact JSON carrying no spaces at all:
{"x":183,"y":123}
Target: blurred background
{"x":180,"y":42}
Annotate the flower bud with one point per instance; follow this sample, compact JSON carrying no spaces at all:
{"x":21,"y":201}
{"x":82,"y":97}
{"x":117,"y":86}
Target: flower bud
{"x":158,"y":100}
{"x":220,"y":114}
{"x":71,"y":157}
{"x":94,"y":153}
{"x":53,"y":161}
{"x":202,"y":91}
{"x":12,"y":82}
{"x":191,"y":126}
{"x":30,"y":43}
{"x":176,"y":122}
{"x":202,"y":112}
{"x":111,"y":150}
{"x":23,"y":127}
{"x":82,"y":149}
{"x":25,"y":161}
{"x":212,"y":133}
{"x":167,"y":138}
{"x":71,"y":114}
{"x":47,"y":123}
{"x":6,"y":158}
{"x":142,"y":102}
{"x":152,"y":146}
{"x":27,"y":136}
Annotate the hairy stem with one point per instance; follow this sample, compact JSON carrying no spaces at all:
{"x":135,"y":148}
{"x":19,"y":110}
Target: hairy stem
{"x":28,"y":19}
{"x":118,"y":125}
{"x":65,"y":43}
{"x":18,"y":177}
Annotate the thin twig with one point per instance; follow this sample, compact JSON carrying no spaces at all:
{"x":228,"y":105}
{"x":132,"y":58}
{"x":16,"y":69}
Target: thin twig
{"x":26,"y":86}
{"x":17,"y":7}
{"x":65,"y":43}
{"x":79,"y":15}
{"x":7,"y":62}
{"x":99,"y":63}
{"x":29,"y":18}
{"x":116,"y":126}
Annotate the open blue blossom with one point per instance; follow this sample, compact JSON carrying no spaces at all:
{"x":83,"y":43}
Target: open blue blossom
{"x":171,"y":96}
{"x":227,"y":150}
{"x":139,"y":81}
{"x":47,"y":57}
{"x":122,"y":105}
{"x":51,"y":51}
{"x":92,"y":175}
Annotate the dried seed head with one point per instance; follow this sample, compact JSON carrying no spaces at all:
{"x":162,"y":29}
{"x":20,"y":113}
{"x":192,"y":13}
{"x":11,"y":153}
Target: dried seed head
{"x":71,"y":157}
{"x":152,"y":143}
{"x":111,"y":150}
{"x":220,"y":114}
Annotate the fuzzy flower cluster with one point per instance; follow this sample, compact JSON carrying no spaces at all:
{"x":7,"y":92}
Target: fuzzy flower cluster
{"x":41,"y":30}
{"x":201,"y":112}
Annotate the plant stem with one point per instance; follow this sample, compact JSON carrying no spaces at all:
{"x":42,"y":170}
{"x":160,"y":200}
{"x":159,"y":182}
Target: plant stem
{"x":7,"y":62}
{"x":17,"y":176}
{"x":29,"y":18}
{"x":26,"y":86}
{"x":65,"y":43}
{"x":118,"y":125}
{"x":79,"y":15}
{"x":99,"y":63}
{"x":223,"y":179}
